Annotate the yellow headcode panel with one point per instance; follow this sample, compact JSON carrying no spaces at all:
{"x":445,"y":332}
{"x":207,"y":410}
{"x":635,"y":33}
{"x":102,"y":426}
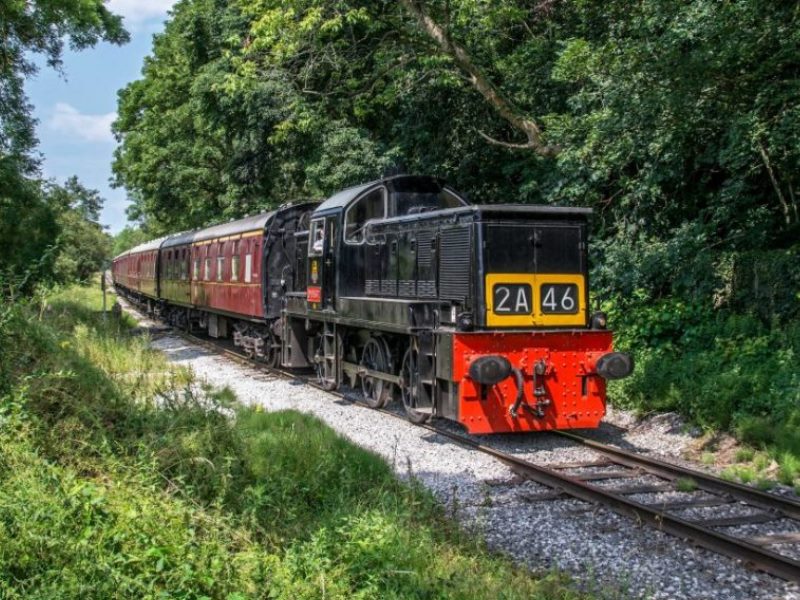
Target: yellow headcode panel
{"x":540,"y":300}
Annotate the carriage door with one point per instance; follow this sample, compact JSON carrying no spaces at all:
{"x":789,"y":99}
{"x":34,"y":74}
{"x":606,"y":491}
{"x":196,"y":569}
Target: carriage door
{"x":320,"y":292}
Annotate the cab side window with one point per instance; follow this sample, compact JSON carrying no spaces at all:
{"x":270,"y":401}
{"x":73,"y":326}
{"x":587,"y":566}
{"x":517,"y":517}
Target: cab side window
{"x":370,"y":206}
{"x":316,"y":241}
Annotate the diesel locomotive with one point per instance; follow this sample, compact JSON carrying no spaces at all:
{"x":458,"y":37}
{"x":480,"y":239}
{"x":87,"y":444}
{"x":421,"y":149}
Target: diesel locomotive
{"x":400,"y":287}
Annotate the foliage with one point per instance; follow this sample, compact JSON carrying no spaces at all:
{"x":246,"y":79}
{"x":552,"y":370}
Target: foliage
{"x":128,"y":238}
{"x":124,"y":478}
{"x":57,"y":239}
{"x":83,"y":246}
{"x":41,"y":27}
{"x":30,"y":218}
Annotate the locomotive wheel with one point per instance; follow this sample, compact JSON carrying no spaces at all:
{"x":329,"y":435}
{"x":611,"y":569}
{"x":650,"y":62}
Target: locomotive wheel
{"x":410,"y":387}
{"x":272,"y":351}
{"x":374,"y":357}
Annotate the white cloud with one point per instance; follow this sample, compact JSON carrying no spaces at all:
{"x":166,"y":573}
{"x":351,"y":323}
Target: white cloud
{"x":137,"y":12}
{"x":68,"y":120}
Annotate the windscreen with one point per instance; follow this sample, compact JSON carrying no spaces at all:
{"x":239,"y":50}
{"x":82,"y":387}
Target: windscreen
{"x":413,"y":196}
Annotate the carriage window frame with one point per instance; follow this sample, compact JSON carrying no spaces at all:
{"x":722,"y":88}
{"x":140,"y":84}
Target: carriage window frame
{"x":235,"y":264}
{"x":248,"y":267}
{"x":362,"y":231}
{"x":220,"y":267}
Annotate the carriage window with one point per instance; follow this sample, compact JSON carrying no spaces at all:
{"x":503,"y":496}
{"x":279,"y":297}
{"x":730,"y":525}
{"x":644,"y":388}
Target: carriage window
{"x":248,"y":267}
{"x":316,"y":241}
{"x":368,"y":207}
{"x":207,"y":274}
{"x":196,"y":270}
{"x":235,"y":268}
{"x":220,"y":267}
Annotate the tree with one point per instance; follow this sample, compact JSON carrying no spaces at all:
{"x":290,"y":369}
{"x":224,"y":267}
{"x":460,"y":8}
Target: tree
{"x":29,"y":219}
{"x":677,"y":122}
{"x":32,"y":27}
{"x":82,"y":246}
{"x":128,"y":238}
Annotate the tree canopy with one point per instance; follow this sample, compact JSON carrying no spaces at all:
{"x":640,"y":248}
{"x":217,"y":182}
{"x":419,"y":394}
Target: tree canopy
{"x":38,"y":219}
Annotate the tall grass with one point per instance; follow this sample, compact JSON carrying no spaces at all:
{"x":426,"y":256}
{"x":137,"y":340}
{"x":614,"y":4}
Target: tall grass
{"x":123,"y":478}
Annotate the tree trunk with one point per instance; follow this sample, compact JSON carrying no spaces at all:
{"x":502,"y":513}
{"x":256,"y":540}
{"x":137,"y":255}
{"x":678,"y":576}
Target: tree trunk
{"x":481,"y":83}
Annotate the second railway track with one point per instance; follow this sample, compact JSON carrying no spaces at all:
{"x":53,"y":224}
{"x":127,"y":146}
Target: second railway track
{"x":616,"y":466}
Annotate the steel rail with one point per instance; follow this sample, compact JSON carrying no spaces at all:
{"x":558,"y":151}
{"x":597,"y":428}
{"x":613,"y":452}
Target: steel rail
{"x":754,"y":555}
{"x":786,"y":506}
{"x":759,"y":557}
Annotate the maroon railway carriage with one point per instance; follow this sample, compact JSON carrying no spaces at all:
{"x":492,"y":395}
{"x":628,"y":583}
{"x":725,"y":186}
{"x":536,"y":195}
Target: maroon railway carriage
{"x":137,"y":270}
{"x":227,"y":269}
{"x":229,"y":279}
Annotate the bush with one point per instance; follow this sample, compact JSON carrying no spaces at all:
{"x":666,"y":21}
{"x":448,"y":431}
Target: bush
{"x":721,"y":369}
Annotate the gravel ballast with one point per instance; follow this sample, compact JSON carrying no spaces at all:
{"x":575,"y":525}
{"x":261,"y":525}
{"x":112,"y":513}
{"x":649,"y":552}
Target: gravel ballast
{"x":605,"y":553}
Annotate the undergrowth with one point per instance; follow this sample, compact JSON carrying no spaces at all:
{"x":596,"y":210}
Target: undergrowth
{"x":124,"y":478}
{"x":722,"y":370}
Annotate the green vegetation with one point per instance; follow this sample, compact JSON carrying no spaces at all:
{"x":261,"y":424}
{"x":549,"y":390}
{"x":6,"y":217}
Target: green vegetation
{"x":128,"y":238}
{"x":48,"y":232}
{"x":122,"y":478}
{"x":686,"y":484}
{"x":677,"y":122}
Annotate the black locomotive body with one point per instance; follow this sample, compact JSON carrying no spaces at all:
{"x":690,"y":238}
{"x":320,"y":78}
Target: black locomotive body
{"x":407,"y":285}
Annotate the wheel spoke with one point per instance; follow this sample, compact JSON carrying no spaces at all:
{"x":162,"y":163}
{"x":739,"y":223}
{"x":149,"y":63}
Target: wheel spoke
{"x":411,"y":387}
{"x":374,"y":357}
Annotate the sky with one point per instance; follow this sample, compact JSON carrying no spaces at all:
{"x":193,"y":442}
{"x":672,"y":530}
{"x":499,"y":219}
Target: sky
{"x":75,"y":109}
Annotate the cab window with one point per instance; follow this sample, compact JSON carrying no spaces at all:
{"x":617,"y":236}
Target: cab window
{"x":316,"y":241}
{"x":370,"y":206}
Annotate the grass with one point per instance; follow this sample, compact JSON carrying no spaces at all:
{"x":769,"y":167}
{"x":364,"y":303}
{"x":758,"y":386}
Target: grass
{"x":123,"y":478}
{"x":685,"y":484}
{"x":708,"y":458}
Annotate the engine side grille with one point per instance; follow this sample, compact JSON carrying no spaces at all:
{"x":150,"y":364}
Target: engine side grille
{"x":455,"y":260}
{"x":424,"y":249}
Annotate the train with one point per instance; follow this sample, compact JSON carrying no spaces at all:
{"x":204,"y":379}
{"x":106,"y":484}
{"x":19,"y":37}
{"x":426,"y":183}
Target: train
{"x":402,"y":289}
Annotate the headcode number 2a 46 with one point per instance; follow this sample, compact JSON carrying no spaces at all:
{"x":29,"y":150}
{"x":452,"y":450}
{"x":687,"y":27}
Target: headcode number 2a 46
{"x":559,"y":298}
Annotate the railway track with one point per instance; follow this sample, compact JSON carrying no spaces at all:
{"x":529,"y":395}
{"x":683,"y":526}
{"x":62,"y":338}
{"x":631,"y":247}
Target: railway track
{"x":588,"y":481}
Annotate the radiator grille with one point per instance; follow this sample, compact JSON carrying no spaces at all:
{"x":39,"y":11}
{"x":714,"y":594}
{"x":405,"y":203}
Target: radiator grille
{"x":455,"y":260}
{"x":388,"y":288}
{"x":424,"y":248}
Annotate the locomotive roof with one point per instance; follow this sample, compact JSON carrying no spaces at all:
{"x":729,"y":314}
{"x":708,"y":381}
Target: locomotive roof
{"x":493,"y":210}
{"x":345,"y":197}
